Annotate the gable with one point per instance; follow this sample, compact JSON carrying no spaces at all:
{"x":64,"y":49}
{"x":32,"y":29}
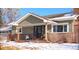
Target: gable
{"x":30,"y":20}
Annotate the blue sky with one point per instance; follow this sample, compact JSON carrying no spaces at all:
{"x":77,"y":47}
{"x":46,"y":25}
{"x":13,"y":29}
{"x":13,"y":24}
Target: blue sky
{"x":44,"y":11}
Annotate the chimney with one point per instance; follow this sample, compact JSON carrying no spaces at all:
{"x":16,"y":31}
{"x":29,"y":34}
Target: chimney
{"x":75,"y":10}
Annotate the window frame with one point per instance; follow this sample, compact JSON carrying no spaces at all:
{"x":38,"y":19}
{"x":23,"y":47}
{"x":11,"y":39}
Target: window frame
{"x":60,"y":24}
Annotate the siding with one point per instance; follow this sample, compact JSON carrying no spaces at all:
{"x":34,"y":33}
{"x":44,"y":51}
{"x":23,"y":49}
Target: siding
{"x":49,"y":28}
{"x":13,"y":29}
{"x":27,"y":30}
{"x":30,"y":20}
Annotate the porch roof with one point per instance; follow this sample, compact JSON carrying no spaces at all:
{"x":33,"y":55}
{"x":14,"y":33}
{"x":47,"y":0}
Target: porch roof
{"x":45,"y":20}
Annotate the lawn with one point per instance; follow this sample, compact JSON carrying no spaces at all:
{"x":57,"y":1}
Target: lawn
{"x":12,"y":45}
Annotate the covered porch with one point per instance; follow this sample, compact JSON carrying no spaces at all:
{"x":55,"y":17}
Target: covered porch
{"x":32,"y":32}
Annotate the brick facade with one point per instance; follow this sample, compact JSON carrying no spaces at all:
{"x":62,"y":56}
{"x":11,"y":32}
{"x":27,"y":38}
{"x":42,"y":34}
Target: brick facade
{"x":76,"y":10}
{"x":61,"y":37}
{"x":76,"y":31}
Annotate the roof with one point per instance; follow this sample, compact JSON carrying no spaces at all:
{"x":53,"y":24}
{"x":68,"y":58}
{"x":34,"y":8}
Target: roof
{"x":57,"y":15}
{"x":25,"y":16}
{"x":45,"y":19}
{"x":49,"y":18}
{"x":62,"y":17}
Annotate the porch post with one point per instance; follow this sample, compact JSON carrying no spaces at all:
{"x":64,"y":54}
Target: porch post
{"x":46,"y":38}
{"x":17,"y":33}
{"x":18,"y":36}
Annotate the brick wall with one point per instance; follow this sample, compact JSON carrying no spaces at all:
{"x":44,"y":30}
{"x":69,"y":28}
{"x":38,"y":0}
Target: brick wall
{"x":76,"y":31}
{"x":76,"y":10}
{"x":61,"y":37}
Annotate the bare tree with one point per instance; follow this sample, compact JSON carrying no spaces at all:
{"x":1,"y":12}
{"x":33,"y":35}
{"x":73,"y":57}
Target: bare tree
{"x":10,"y":14}
{"x":1,"y":20}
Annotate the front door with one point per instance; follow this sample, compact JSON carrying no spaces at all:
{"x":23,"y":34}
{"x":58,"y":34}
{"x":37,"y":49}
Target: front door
{"x":38,"y":31}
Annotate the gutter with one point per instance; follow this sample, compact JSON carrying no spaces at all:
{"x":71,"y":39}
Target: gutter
{"x":64,"y":18}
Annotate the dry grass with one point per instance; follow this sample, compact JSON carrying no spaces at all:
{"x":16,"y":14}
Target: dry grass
{"x":8,"y":48}
{"x":32,"y":48}
{"x":15,"y":48}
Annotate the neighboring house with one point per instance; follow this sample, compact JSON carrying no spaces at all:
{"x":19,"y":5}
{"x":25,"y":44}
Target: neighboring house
{"x":53,"y":28}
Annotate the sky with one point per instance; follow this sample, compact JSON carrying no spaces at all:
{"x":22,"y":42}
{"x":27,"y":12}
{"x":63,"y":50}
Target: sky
{"x":44,"y":11}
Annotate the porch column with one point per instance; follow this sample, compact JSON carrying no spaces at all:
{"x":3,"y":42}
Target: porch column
{"x":46,"y":38}
{"x":18,"y":34}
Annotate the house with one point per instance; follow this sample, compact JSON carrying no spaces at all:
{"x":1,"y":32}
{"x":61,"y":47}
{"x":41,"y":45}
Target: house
{"x":52,"y":28}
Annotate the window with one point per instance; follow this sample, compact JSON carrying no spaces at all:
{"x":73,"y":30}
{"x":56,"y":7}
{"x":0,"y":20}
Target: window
{"x":60,"y":28}
{"x":54,"y":28}
{"x":65,"y":28}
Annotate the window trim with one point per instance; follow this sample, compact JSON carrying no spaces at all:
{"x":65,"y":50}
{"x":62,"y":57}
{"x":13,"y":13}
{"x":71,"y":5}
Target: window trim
{"x":60,"y":24}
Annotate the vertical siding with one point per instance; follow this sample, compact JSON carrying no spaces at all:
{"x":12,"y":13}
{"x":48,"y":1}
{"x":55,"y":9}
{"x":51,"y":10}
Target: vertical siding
{"x":13,"y":29}
{"x":49,"y":28}
{"x":30,"y":20}
{"x":27,"y":30}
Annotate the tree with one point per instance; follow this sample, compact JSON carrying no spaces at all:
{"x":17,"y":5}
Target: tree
{"x":10,"y":14}
{"x":1,"y":20}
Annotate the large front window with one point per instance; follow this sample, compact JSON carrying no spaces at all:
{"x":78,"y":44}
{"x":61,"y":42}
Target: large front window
{"x":60,"y":28}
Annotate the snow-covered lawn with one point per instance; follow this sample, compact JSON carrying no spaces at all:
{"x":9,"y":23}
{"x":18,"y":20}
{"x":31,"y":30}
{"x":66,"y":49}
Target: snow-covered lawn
{"x":42,"y":46}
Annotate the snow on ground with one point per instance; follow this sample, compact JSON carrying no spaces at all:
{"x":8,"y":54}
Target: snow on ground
{"x":43,"y":46}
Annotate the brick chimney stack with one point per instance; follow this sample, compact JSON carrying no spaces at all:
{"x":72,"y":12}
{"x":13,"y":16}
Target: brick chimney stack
{"x":75,"y":10}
